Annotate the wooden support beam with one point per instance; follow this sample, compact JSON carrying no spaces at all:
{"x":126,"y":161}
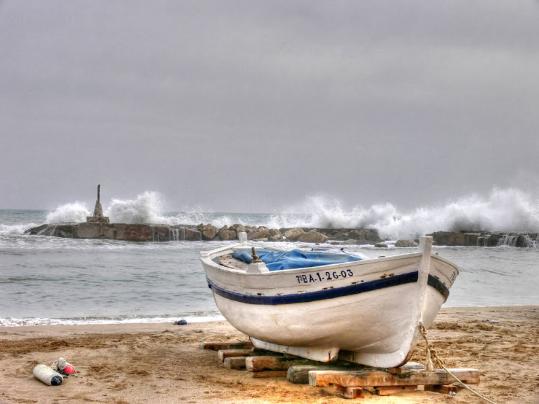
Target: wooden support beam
{"x":380,"y":378}
{"x":410,"y":366}
{"x":260,"y":363}
{"x":235,"y":362}
{"x":299,"y":374}
{"x":229,"y":353}
{"x":218,"y":346}
{"x":352,"y":392}
{"x":391,"y":390}
{"x":269,"y":373}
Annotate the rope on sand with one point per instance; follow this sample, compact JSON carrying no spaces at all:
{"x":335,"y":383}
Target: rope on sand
{"x":433,"y":357}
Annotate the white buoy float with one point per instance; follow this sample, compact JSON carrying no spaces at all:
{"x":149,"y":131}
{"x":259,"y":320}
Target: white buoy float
{"x":47,"y":375}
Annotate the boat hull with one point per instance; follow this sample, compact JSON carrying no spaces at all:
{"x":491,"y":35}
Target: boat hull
{"x":372,"y":312}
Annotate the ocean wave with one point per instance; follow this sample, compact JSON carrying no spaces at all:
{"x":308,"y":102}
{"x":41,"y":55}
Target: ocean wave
{"x":15,"y":229}
{"x":33,"y":321}
{"x":145,"y":208}
{"x":69,"y":213}
{"x":509,"y":210}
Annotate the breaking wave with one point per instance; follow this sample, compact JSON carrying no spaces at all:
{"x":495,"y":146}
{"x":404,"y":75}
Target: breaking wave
{"x":33,"y":321}
{"x":145,"y":208}
{"x":14,"y":229}
{"x":69,"y":213}
{"x":509,"y":210}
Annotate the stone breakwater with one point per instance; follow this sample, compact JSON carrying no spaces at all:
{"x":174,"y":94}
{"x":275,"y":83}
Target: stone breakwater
{"x":485,"y":239}
{"x":208,"y":232}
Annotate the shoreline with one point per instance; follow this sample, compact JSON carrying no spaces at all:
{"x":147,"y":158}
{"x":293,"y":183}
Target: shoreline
{"x":162,"y":362}
{"x":78,"y":322}
{"x":197,"y":320}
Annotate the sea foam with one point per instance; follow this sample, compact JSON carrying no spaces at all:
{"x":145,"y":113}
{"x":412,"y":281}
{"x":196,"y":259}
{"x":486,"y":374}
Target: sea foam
{"x":33,"y":321}
{"x":145,"y":208}
{"x":508,"y":210}
{"x":14,"y":229}
{"x":68,"y":213}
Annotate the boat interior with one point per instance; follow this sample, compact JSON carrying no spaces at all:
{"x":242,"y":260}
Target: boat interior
{"x":276,"y":260}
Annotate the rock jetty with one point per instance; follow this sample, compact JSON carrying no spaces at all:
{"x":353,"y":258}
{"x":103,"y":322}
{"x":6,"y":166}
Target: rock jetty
{"x":98,"y":226}
{"x":485,"y":239}
{"x":202,"y":232}
{"x":208,"y":232}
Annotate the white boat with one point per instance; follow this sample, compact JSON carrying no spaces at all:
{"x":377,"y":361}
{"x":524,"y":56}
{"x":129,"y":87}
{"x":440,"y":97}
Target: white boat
{"x":365,"y":311}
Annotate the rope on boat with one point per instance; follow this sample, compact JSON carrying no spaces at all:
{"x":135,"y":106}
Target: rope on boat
{"x":433,"y":358}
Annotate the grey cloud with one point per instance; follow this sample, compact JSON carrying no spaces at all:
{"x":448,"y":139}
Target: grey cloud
{"x":377,"y":101}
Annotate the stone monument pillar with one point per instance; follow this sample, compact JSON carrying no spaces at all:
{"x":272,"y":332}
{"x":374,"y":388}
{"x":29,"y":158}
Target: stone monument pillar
{"x":98,"y":210}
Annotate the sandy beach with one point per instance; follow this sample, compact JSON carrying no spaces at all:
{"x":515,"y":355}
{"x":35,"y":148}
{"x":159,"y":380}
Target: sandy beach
{"x":164,"y":363}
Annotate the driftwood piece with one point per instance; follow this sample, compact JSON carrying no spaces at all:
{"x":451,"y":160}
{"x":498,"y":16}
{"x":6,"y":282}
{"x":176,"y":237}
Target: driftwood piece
{"x":229,"y":353}
{"x":219,"y":346}
{"x":381,"y":378}
{"x":235,"y":362}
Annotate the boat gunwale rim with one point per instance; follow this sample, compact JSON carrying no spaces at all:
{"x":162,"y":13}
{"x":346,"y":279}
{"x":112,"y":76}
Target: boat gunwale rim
{"x":207,"y":257}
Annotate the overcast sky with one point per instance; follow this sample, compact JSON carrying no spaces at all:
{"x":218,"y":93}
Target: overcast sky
{"x":251,"y":105}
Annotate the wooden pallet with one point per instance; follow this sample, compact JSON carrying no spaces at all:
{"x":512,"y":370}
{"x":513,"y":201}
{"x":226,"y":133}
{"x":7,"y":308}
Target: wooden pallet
{"x":261,"y":363}
{"x":347,"y":379}
{"x":410,"y":377}
{"x":258,"y":362}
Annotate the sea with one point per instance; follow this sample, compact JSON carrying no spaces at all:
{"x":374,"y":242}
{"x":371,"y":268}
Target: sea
{"x":48,"y":280}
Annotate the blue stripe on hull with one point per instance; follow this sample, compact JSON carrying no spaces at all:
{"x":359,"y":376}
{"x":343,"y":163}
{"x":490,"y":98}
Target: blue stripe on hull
{"x":329,"y":293}
{"x":439,"y":286}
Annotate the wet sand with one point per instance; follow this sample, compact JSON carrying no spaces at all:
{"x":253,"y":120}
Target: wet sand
{"x":163,"y":363}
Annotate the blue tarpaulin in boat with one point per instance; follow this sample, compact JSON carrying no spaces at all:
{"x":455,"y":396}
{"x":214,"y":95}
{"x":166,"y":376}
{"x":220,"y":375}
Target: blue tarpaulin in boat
{"x":276,"y":260}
